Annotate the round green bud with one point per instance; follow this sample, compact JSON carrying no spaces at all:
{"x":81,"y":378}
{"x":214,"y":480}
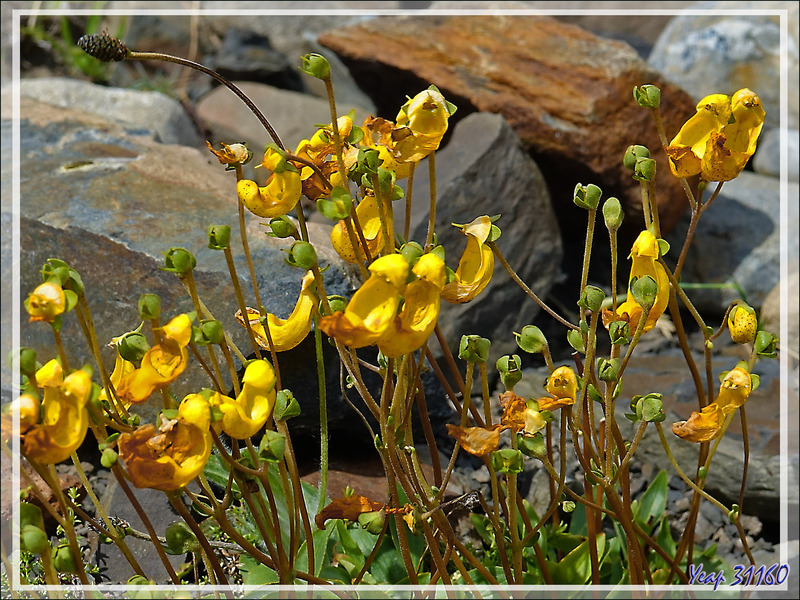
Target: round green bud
{"x":33,"y":539}
{"x":212,"y":331}
{"x":592,"y":298}
{"x":149,"y":307}
{"x":180,"y":538}
{"x":474,"y":349}
{"x":282,"y":227}
{"x":587,"y":196}
{"x":272,"y":446}
{"x":632,"y":154}
{"x":179,"y":261}
{"x":337,"y":303}
{"x":619,"y":332}
{"x":372,"y":521}
{"x":411,"y":251}
{"x":509,"y":369}
{"x":613,"y":215}
{"x":645,"y":169}
{"x":63,"y":560}
{"x":219,"y":237}
{"x":507,"y":460}
{"x":647,"y":96}
{"x":766,"y":344}
{"x":302,"y":255}
{"x":316,"y":65}
{"x":608,"y":369}
{"x":108,"y":458}
{"x":27,"y":362}
{"x":644,"y":291}
{"x":286,"y":406}
{"x":133,"y":346}
{"x":531,"y":339}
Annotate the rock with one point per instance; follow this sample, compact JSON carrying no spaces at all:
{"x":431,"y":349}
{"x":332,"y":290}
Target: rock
{"x":249,"y":56}
{"x":564,"y":91}
{"x":771,"y":314}
{"x":724,"y":51}
{"x":767,"y":159}
{"x":483,"y":170}
{"x":153,"y":113}
{"x":737,"y":240}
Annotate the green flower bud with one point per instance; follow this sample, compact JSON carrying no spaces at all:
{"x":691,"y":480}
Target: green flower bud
{"x":647,"y":96}
{"x":702,"y":472}
{"x":509,"y":369}
{"x":411,"y":252}
{"x":592,"y":298}
{"x":179,"y":261}
{"x":632,"y":154}
{"x":507,"y":460}
{"x":180,"y":538}
{"x":766,"y":344}
{"x":644,"y":291}
{"x":302,"y":255}
{"x":63,"y":560}
{"x":608,"y":369}
{"x":337,"y":303}
{"x":316,"y":65}
{"x":338,"y":206}
{"x":219,"y":237}
{"x":108,"y":458}
{"x":132,"y":346}
{"x":474,"y":349}
{"x":272,"y":446}
{"x":644,"y":170}
{"x":531,"y":339}
{"x":648,"y":408}
{"x":567,"y":506}
{"x":33,"y":539}
{"x":67,"y":277}
{"x":613,"y":215}
{"x":619,"y":332}
{"x":286,"y":406}
{"x":212,"y":331}
{"x":587,"y":196}
{"x":532,"y":445}
{"x":372,"y":521}
{"x":149,"y":307}
{"x":575,"y":339}
{"x":282,"y":227}
{"x":27,"y":362}
{"x":733,"y":515}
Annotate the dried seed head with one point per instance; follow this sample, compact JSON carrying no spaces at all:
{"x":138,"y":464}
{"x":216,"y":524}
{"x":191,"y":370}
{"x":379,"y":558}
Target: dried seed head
{"x":103,"y":47}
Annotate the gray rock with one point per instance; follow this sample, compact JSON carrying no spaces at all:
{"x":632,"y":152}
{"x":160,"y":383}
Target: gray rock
{"x":483,"y":170}
{"x":139,"y":112}
{"x":767,"y":159}
{"x":726,"y":51}
{"x":737,"y":240}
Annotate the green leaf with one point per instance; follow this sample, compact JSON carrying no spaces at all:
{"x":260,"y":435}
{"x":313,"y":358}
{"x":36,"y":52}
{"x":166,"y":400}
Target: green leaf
{"x":323,"y":549}
{"x":254,"y":573}
{"x":653,"y":502}
{"x":576,"y":567}
{"x":217,"y":471}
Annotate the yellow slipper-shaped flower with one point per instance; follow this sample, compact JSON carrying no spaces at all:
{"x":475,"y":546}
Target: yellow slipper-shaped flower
{"x":476,"y":265}
{"x":280,"y":193}
{"x":245,"y":416}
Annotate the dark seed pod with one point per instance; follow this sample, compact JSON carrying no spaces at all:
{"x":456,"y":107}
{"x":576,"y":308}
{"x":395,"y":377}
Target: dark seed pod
{"x":103,"y":47}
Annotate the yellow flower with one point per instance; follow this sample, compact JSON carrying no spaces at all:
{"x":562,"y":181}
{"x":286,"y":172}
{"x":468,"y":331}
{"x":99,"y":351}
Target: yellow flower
{"x":719,"y":139}
{"x":64,"y":415}
{"x":644,"y":254}
{"x":563,"y":386}
{"x":279,"y":194}
{"x":320,"y":150}
{"x":46,"y":302}
{"x":285,"y":333}
{"x":121,"y":368}
{"x":27,"y":406}
{"x":372,"y":308}
{"x":245,"y":416}
{"x":169,"y":457}
{"x":161,"y":364}
{"x":743,"y":324}
{"x":707,"y":424}
{"x":422,"y":300}
{"x":369,"y":219}
{"x":520,"y":415}
{"x":476,"y":265}
{"x":426,"y":116}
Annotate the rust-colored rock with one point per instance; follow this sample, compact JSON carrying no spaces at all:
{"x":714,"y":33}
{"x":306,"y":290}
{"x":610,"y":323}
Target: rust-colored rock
{"x":566,"y":92}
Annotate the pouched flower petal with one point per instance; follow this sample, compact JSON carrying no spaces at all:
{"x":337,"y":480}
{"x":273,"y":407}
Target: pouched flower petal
{"x":348,"y":508}
{"x":161,"y":364}
{"x":231,"y":155}
{"x":644,"y":254}
{"x":707,"y":424}
{"x":373,"y":307}
{"x":479,"y":441}
{"x":279,"y":194}
{"x":370,"y":221}
{"x":46,"y":302}
{"x":170,"y":457}
{"x":422,"y":301}
{"x":719,"y":139}
{"x":285,"y":333}
{"x":64,"y":415}
{"x":426,"y":116}
{"x":245,"y":416}
{"x":702,"y":426}
{"x":521,"y":415}
{"x":476,"y":265}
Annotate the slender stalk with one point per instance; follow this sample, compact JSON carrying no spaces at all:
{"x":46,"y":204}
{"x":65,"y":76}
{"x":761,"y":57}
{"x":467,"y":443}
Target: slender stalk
{"x":432,"y":206}
{"x":409,"y":189}
{"x":587,"y":251}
